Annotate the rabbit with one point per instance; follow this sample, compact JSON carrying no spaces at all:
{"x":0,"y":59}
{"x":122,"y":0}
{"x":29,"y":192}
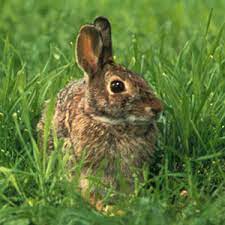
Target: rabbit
{"x":110,"y":114}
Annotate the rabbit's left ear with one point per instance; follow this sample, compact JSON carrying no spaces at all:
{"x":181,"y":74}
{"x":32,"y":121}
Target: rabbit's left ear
{"x":103,"y":25}
{"x":89,"y":49}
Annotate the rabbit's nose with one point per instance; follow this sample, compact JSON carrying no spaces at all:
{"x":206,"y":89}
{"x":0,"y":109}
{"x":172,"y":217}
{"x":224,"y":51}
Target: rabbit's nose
{"x":155,"y":107}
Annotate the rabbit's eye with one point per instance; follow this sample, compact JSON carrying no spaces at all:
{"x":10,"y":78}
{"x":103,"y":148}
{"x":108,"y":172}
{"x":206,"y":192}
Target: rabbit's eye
{"x":117,"y":86}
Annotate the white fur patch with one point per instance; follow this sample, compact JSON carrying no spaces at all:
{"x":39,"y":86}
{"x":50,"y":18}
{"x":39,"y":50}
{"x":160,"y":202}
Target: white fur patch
{"x":130,"y":119}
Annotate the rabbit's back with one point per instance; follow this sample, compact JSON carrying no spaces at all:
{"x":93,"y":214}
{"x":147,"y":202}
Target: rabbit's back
{"x":67,"y":98}
{"x":69,"y":102}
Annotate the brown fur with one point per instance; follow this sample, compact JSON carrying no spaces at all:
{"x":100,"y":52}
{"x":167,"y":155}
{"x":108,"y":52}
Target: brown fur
{"x":116,"y":129}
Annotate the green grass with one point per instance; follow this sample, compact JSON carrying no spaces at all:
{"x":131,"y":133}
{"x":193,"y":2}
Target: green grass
{"x":178,"y":46}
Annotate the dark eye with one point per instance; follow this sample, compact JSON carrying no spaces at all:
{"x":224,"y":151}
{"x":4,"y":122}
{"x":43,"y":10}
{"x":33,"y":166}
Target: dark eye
{"x":117,"y":86}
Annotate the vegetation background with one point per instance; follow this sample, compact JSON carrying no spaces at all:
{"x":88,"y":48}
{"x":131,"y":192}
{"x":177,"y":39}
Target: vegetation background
{"x":178,"y":46}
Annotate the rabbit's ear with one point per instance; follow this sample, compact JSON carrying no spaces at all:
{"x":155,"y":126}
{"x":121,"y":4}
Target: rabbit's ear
{"x":89,"y":48}
{"x":103,"y":25}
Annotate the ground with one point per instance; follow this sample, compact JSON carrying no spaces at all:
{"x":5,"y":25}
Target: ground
{"x":178,"y":46}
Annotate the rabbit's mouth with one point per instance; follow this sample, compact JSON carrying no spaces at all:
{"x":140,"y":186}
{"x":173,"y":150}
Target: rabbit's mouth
{"x":131,"y":119}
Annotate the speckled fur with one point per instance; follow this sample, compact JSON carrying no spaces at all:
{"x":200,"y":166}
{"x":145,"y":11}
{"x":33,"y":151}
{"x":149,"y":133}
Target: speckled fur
{"x":123,"y":146}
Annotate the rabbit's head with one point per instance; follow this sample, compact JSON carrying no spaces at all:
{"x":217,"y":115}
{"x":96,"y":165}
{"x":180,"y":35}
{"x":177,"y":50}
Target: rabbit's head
{"x":113,"y":93}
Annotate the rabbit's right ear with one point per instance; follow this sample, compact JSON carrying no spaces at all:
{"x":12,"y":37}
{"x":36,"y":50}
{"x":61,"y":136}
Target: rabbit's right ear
{"x":89,"y":49}
{"x":104,"y":26}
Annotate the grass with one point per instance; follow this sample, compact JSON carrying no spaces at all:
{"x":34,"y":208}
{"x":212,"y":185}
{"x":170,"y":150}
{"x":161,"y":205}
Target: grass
{"x":178,"y":46}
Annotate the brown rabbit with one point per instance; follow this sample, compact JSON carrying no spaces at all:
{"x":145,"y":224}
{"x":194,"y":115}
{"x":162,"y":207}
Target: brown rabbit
{"x":110,"y":114}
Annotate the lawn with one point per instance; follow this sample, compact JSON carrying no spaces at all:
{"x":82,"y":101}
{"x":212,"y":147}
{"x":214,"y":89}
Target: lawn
{"x":178,"y":46}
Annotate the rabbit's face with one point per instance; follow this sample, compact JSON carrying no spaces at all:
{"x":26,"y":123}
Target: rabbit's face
{"x":114,"y":94}
{"x":119,"y":95}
